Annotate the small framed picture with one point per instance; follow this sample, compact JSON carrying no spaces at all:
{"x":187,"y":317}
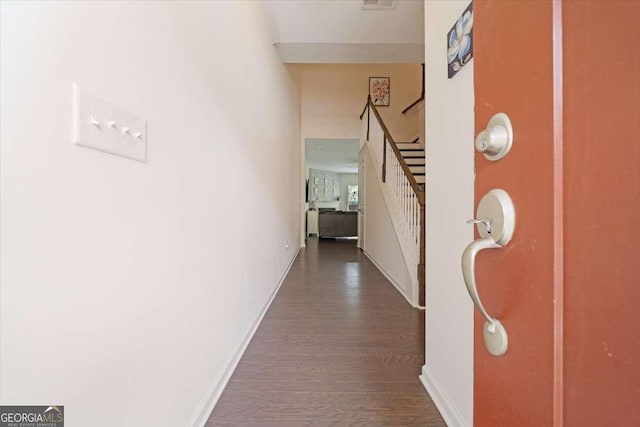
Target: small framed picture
{"x":460,"y":42}
{"x":380,"y":91}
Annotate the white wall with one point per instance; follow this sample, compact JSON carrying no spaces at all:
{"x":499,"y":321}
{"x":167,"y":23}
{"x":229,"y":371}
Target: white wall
{"x":448,"y":372}
{"x":128,"y":288}
{"x":346,"y":179}
{"x":381,"y":243}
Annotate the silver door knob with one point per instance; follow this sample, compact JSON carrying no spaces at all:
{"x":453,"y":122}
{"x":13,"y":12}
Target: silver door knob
{"x":496,"y":140}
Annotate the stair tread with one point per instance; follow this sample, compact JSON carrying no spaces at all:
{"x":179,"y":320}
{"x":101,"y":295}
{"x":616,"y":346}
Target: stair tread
{"x":415,"y":161}
{"x":410,"y":146}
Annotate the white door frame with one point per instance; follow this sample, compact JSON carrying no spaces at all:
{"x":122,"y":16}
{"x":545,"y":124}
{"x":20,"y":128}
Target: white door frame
{"x":361,"y":190}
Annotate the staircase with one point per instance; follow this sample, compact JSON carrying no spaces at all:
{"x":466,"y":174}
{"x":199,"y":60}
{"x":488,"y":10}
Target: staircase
{"x":401,"y":169}
{"x":413,"y":155}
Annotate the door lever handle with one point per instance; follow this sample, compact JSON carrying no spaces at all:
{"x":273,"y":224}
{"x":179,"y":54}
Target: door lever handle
{"x":498,"y":218}
{"x":495,"y":336}
{"x":469,"y":274}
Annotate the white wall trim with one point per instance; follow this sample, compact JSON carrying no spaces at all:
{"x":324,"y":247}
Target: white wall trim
{"x":452,"y":416}
{"x":208,"y":402}
{"x":393,"y":281}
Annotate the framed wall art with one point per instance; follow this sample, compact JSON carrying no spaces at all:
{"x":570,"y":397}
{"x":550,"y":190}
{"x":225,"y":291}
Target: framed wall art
{"x":460,"y":42}
{"x":324,"y":186}
{"x":380,"y":91}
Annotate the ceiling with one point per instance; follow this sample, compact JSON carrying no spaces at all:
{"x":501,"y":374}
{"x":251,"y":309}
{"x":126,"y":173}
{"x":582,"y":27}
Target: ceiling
{"x":326,"y":31}
{"x":334,"y":155}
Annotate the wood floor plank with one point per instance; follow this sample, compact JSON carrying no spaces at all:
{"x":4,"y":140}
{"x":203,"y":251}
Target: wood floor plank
{"x":333,"y":387}
{"x":338,"y":346}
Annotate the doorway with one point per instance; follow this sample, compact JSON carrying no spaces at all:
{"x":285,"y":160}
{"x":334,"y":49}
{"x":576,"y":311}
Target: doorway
{"x":332,"y":188}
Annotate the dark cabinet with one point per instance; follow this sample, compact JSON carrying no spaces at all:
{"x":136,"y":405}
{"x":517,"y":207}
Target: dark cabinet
{"x":338,"y":224}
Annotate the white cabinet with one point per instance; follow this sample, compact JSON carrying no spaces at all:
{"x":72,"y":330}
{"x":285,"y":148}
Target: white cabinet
{"x":312,"y":222}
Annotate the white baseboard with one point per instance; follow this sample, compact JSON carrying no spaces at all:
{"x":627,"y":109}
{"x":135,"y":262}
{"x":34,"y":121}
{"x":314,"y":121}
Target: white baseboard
{"x":391,"y":279}
{"x":448,"y":410}
{"x":206,"y":405}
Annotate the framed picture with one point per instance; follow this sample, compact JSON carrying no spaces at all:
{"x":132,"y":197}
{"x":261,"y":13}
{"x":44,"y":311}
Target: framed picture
{"x":460,"y":42}
{"x":380,"y":90}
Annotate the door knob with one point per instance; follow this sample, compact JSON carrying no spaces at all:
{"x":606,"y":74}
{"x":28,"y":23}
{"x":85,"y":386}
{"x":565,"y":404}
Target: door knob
{"x":495,"y":219}
{"x":496,"y":140}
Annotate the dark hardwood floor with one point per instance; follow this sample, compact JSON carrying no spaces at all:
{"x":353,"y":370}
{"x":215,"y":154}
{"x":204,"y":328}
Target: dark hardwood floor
{"x":339,"y":346}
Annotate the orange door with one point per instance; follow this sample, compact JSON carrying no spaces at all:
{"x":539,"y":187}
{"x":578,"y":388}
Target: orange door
{"x":602,"y":213}
{"x":513,"y":54}
{"x":567,"y":286}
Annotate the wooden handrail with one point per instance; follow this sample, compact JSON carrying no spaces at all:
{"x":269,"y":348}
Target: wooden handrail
{"x":368,"y":118}
{"x":384,"y":159}
{"x":422,"y":92}
{"x":403,"y":163}
{"x":417,"y":101}
{"x":364,"y":110}
{"x":367,"y":110}
{"x":413,"y":104}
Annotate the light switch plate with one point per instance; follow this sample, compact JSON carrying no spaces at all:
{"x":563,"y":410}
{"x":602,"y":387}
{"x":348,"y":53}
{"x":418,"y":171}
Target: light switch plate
{"x":103,"y":126}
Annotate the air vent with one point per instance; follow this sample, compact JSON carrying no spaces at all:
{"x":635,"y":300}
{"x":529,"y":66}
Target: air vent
{"x":378,"y":4}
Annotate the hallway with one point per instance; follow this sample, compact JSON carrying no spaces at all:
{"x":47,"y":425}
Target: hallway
{"x":338,"y":345}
